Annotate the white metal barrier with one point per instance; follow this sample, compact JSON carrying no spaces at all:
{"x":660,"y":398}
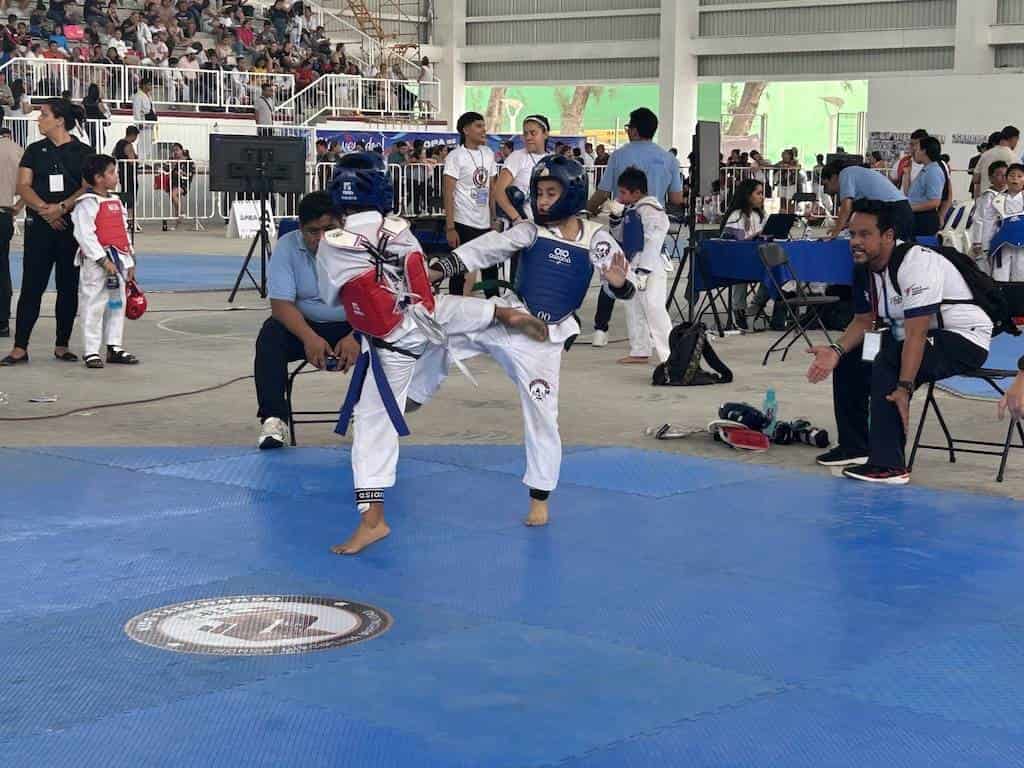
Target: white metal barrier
{"x":168,"y":190}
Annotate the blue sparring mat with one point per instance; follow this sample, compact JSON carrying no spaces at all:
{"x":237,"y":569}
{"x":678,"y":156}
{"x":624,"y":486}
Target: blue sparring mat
{"x":168,"y":272}
{"x":1003,"y":354}
{"x":677,"y":612}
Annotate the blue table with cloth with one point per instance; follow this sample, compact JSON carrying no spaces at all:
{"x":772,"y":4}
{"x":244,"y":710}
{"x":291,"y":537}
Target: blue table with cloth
{"x":721,"y":263}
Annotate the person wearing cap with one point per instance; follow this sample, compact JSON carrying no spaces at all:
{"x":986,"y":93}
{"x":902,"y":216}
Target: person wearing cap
{"x":516,"y":172}
{"x":10,"y":159}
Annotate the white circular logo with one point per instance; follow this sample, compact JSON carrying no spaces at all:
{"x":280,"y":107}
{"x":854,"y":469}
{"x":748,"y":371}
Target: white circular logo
{"x":254,"y":625}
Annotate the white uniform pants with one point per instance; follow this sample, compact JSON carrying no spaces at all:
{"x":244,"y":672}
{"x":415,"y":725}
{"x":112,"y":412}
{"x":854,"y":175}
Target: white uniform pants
{"x":533,"y":366}
{"x":100,"y":324}
{"x":1012,"y":269}
{"x":647,"y":319}
{"x":375,"y":442}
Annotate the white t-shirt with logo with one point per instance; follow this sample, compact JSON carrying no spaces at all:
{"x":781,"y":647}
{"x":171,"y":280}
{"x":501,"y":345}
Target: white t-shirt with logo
{"x":926,"y":279}
{"x":520,"y":164}
{"x":472,"y":170}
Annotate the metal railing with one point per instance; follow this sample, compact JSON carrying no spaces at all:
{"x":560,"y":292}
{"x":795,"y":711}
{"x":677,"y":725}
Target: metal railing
{"x":338,"y":95}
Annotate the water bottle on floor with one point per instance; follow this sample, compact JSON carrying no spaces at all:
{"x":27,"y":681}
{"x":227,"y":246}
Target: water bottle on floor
{"x":770,"y":408}
{"x":114,"y":292}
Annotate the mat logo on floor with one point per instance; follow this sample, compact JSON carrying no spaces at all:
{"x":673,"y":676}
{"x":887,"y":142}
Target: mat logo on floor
{"x":254,"y":625}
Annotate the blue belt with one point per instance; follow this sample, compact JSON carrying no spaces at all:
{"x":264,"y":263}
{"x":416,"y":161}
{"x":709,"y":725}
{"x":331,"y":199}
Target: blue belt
{"x":368,"y":360}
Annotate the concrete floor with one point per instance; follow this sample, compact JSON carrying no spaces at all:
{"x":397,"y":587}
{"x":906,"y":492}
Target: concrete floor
{"x":195,"y":341}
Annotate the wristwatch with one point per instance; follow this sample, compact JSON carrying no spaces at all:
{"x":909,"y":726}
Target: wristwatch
{"x":907,"y":386}
{"x":1020,"y":363}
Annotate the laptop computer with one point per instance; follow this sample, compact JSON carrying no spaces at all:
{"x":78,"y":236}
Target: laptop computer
{"x":778,"y":226}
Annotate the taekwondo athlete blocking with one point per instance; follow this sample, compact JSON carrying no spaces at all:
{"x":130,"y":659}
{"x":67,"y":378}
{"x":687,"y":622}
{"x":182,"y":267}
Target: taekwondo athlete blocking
{"x":557,"y":255}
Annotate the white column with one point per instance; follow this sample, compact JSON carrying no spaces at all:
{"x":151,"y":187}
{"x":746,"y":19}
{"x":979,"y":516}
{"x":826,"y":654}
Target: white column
{"x":973,"y":55}
{"x":677,"y":75}
{"x":450,"y":34}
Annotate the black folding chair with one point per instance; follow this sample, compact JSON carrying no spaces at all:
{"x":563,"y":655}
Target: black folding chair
{"x":990,"y":375}
{"x":774,"y":258}
{"x":292,"y":421}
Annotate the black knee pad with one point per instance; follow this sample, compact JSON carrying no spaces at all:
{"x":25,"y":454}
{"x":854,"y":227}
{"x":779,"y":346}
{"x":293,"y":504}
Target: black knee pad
{"x":539,"y":495}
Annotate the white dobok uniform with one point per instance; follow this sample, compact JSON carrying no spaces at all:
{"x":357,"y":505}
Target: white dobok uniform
{"x":646,"y":317}
{"x":533,"y":366}
{"x":1008,"y":257}
{"x":392,"y":313}
{"x":100,"y":226}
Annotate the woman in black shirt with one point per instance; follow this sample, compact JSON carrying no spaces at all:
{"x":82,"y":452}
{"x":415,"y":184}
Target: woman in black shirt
{"x":50,"y":183}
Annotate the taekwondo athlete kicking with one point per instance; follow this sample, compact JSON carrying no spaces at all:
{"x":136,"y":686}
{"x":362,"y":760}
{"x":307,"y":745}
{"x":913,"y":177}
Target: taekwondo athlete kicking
{"x":374,"y":267}
{"x":558,"y":252}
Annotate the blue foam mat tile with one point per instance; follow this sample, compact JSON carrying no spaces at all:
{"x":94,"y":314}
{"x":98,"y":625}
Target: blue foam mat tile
{"x":88,"y":669}
{"x":144,"y":457}
{"x":808,"y":729}
{"x":232,"y":729}
{"x":80,"y":495}
{"x":290,"y":472}
{"x":477,"y":456}
{"x":645,"y":473}
{"x":558,"y":693}
{"x":966,"y":674}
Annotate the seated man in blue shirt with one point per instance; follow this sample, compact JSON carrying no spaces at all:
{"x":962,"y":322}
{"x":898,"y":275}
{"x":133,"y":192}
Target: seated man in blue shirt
{"x":928,"y":190}
{"x":301,"y":325}
{"x":858,"y":183}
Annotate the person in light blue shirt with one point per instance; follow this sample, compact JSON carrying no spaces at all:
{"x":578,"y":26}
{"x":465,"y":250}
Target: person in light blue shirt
{"x":301,"y":326}
{"x":664,"y":182}
{"x":854,"y":183}
{"x":928,"y":190}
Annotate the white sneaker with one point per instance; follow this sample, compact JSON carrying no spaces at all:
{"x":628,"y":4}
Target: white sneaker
{"x":599,"y":339}
{"x":273,"y":434}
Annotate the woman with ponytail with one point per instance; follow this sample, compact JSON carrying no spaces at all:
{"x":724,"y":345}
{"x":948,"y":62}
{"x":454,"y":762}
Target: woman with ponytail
{"x":50,"y":183}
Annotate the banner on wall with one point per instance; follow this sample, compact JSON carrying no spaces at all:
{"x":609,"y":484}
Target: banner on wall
{"x":970,"y":139}
{"x":384,"y":140}
{"x":892,"y":144}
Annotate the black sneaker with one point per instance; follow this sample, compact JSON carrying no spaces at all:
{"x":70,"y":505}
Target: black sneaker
{"x":837,"y":457}
{"x":871,"y":473}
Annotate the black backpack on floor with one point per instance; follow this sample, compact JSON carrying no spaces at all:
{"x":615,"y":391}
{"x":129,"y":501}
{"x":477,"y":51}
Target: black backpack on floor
{"x":688,"y":346}
{"x":987,"y":293}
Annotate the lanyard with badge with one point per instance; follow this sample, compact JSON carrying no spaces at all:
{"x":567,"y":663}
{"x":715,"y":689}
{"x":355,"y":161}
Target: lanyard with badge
{"x":481,"y":177}
{"x":873,"y":338}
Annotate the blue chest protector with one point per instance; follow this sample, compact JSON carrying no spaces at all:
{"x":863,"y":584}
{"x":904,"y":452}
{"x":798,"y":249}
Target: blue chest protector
{"x":553,"y":277}
{"x":632,"y":234}
{"x":1010,"y":233}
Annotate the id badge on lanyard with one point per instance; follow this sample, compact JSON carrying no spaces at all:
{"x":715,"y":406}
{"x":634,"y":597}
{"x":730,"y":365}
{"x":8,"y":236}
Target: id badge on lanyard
{"x":873,"y":338}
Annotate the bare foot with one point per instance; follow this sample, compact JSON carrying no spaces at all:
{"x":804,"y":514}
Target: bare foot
{"x":524,"y":322}
{"x":538,"y":513}
{"x":371,"y":528}
{"x":633,"y":360}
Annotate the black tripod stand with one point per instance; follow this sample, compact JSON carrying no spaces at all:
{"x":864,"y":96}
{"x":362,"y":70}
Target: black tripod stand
{"x":262,"y":185}
{"x":689,"y":263}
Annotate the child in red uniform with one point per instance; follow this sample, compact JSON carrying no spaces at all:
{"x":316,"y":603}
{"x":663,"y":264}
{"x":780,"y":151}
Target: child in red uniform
{"x":105,"y":256}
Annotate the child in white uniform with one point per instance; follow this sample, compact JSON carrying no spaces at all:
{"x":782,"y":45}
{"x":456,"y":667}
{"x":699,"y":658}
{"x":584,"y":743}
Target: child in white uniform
{"x":375,"y":268}
{"x":105,"y":255}
{"x":985,"y":221}
{"x":641,"y":232}
{"x":1007,"y":246}
{"x":557,"y":255}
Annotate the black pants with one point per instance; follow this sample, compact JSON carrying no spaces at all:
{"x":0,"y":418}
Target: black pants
{"x":458,"y":282}
{"x":276,"y":346}
{"x":903,"y":219}
{"x":46,"y":248}
{"x":926,"y":224}
{"x":603,"y":315}
{"x":859,"y":389}
{"x":6,"y":232}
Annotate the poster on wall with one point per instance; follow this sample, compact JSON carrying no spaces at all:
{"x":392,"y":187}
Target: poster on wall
{"x":970,"y":139}
{"x":892,"y":144}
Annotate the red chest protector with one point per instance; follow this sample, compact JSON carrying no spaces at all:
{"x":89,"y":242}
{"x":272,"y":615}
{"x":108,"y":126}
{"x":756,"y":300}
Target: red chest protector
{"x":110,"y":229}
{"x":371,"y":304}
